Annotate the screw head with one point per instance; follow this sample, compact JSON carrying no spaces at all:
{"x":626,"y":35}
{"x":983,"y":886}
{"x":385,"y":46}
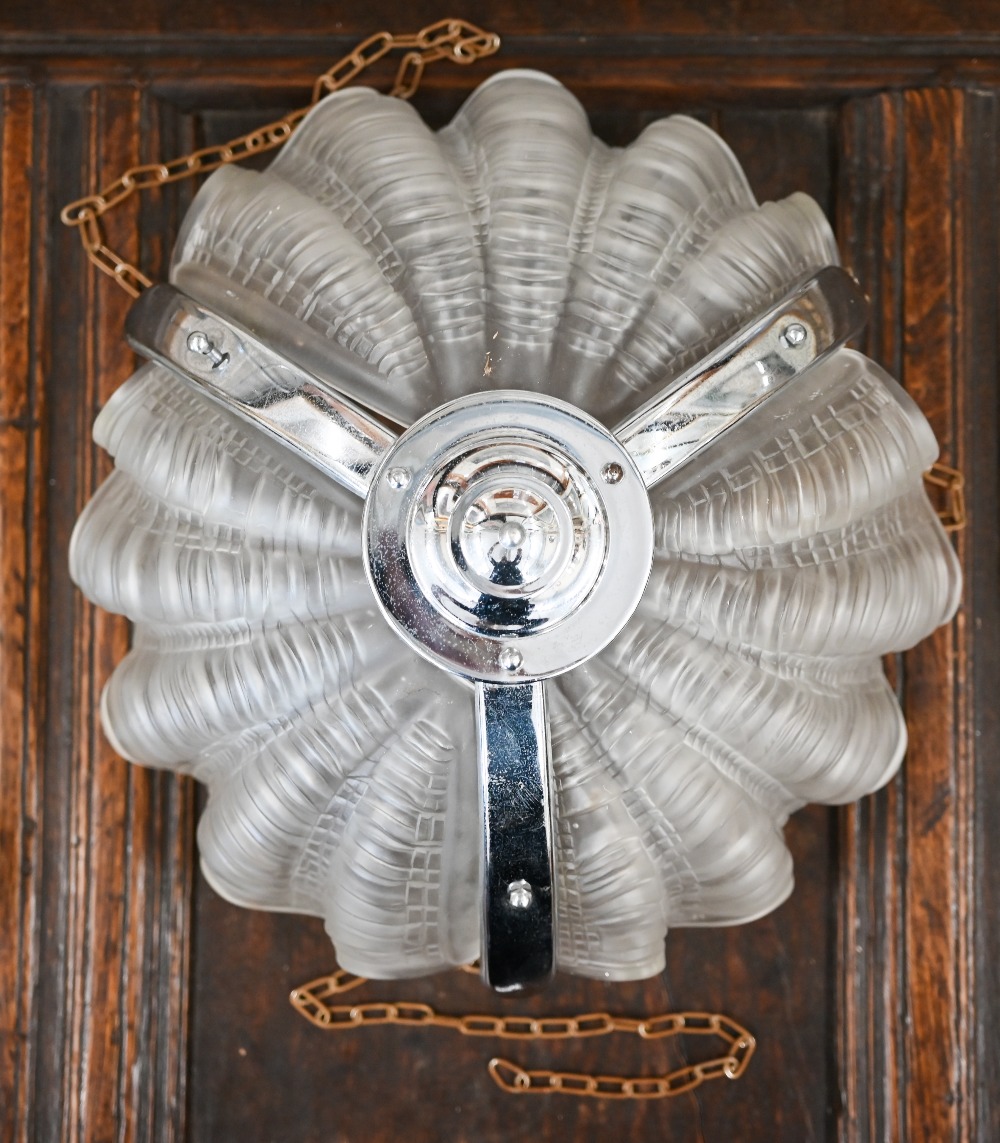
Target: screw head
{"x":397,"y":477}
{"x":519,"y":894}
{"x":510,"y":658}
{"x":794,"y":334}
{"x":612,"y":473}
{"x":200,"y":343}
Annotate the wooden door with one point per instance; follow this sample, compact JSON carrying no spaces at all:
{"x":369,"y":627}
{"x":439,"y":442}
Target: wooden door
{"x":134,"y":1003}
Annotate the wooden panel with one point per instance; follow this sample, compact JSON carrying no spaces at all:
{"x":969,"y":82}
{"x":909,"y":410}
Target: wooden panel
{"x":926,"y":250}
{"x":95,"y":1027}
{"x":874,"y":991}
{"x":258,"y":1067}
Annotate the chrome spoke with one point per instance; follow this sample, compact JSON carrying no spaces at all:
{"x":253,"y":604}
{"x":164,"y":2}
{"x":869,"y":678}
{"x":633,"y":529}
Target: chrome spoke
{"x":303,"y":409}
{"x":518,"y":941}
{"x":765,"y":355}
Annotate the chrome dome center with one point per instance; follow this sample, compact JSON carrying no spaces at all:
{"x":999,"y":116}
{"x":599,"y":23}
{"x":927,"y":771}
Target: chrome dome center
{"x":496,"y":520}
{"x":510,"y":536}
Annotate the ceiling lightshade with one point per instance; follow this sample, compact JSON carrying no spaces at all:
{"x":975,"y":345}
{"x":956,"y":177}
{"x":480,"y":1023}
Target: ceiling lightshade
{"x":538,"y":286}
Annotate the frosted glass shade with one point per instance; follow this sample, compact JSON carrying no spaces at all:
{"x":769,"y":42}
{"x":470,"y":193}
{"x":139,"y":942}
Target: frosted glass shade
{"x":511,"y":250}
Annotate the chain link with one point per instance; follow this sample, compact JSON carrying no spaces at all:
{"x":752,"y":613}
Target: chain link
{"x":456,"y":40}
{"x":952,"y":482}
{"x":313,"y":1001}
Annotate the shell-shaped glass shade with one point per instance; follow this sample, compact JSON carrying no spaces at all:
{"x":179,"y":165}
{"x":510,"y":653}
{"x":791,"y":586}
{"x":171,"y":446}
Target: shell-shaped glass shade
{"x":511,"y":250}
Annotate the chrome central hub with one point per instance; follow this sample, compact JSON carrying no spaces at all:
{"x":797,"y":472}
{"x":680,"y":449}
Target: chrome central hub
{"x":507,"y":537}
{"x":497,"y":519}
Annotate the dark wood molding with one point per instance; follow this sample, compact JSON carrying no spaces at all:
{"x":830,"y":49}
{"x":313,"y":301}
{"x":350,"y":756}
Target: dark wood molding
{"x":919,"y":231}
{"x":278,"y":74}
{"x":21,"y":555}
{"x":118,"y":21}
{"x":978,"y":336}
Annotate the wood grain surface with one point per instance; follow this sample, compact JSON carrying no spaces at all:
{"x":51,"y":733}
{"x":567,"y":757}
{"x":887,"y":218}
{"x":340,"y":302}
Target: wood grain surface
{"x":254,"y":19}
{"x":134,"y":1003}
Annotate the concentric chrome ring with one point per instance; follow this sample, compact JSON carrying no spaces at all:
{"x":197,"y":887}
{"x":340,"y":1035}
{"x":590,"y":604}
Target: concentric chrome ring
{"x":495,"y":543}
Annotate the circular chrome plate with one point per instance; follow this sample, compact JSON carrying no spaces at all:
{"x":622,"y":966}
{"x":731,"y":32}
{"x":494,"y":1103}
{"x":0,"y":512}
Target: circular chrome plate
{"x":508,"y":536}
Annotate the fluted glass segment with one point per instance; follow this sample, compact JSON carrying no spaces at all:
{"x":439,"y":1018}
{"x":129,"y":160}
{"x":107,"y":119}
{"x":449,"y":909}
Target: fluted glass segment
{"x":512,"y":249}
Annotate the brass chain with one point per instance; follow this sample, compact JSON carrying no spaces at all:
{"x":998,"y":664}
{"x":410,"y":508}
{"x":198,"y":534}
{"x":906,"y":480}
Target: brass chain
{"x":312,"y":1001}
{"x":455,"y":40}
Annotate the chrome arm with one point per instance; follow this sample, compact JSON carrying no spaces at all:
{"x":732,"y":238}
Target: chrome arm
{"x":303,"y":411}
{"x":807,"y":324}
{"x":518,"y":943}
